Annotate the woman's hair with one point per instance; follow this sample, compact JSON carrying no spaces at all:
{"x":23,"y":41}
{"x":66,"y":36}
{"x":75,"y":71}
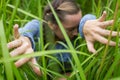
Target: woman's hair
{"x":62,"y":8}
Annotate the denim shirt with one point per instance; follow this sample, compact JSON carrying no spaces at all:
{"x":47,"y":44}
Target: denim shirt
{"x":32,"y":30}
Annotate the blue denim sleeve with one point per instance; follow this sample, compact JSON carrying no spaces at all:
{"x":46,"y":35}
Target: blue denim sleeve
{"x":31,"y":30}
{"x":82,"y":22}
{"x":62,"y":57}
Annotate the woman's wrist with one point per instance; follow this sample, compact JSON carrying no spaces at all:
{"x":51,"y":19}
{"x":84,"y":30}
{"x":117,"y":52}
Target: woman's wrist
{"x":83,"y":21}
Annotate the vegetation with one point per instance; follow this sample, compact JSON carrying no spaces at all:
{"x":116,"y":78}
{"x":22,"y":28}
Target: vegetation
{"x":86,"y":66}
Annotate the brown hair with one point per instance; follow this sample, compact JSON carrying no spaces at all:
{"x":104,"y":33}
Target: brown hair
{"x":62,"y":8}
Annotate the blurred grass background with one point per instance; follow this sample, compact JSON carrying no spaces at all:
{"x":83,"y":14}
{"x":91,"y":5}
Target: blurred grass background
{"x":103,"y":66}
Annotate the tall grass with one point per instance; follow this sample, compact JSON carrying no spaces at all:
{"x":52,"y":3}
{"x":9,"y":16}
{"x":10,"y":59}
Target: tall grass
{"x":86,"y":66}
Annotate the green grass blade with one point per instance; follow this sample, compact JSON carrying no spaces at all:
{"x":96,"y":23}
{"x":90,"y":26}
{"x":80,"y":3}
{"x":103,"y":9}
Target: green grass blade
{"x":12,"y":17}
{"x":16,"y":72}
{"x":107,"y":46}
{"x":26,"y":13}
{"x":41,"y":53}
{"x":69,"y":44}
{"x":40,"y":2}
{"x":116,"y":54}
{"x":5,"y":53}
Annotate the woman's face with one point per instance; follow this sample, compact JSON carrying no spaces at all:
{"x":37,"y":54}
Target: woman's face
{"x":70,"y":25}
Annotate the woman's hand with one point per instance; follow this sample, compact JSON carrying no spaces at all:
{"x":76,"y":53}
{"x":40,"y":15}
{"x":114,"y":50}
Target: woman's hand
{"x":22,"y":45}
{"x":94,"y":30}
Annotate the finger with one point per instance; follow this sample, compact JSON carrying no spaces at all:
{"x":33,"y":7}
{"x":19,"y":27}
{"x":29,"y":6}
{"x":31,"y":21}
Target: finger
{"x":104,"y":32}
{"x":14,"y":44}
{"x":102,"y":18}
{"x":106,"y":23}
{"x":103,"y":40}
{"x":19,"y":50}
{"x":16,"y":32}
{"x":36,"y":69}
{"x":23,"y":60}
{"x":90,"y":44}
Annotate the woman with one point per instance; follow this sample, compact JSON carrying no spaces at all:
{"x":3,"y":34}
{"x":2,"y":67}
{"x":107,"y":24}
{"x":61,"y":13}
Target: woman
{"x":70,"y":15}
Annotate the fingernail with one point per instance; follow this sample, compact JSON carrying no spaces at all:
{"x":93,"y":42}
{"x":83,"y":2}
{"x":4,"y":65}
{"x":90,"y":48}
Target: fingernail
{"x":8,"y":46}
{"x":104,"y":12}
{"x":16,"y":26}
{"x":112,"y":20}
{"x":12,"y":54}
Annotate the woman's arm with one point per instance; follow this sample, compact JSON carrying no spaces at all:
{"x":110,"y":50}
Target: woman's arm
{"x":31,"y":30}
{"x":24,"y":44}
{"x":94,"y":30}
